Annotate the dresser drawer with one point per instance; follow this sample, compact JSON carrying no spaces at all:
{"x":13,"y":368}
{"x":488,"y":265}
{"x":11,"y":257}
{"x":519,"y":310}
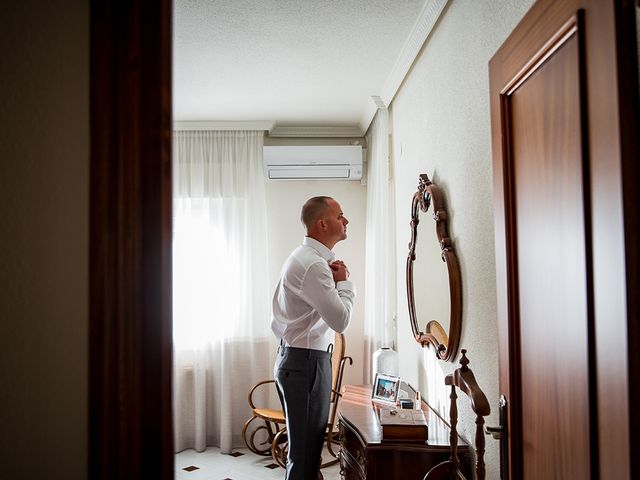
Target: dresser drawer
{"x":365,"y":456}
{"x":353,"y":459}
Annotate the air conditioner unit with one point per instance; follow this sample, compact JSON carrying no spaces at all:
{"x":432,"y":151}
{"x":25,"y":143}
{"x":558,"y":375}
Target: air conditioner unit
{"x":318,"y":162}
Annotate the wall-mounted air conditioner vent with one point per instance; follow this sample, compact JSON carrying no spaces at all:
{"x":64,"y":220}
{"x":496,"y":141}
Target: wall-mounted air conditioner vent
{"x":317,"y":162}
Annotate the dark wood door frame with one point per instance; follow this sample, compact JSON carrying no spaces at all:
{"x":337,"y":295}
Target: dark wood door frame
{"x":131,"y":434}
{"x":130,"y":412}
{"x":613,"y":120}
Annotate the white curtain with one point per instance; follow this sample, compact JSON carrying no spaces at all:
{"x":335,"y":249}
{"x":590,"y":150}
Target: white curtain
{"x":379,"y":312}
{"x":221,"y":307}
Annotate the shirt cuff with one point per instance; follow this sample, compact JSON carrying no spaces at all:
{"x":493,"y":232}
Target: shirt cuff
{"x":345,"y":285}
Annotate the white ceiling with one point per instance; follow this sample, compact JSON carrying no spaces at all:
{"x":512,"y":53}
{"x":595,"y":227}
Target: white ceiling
{"x":297,"y":63}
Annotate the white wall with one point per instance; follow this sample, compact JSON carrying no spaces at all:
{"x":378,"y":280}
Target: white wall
{"x":441,"y":126}
{"x":44,"y":220}
{"x":285,"y":232}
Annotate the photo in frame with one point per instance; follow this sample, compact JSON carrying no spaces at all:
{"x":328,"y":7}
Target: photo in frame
{"x":385,"y":389}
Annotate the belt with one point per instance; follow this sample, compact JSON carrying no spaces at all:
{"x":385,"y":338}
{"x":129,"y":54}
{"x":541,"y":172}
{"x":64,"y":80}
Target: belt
{"x":306,"y":352}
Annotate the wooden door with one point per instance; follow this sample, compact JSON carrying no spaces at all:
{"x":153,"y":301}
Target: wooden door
{"x":130,"y":359}
{"x":561,"y":143}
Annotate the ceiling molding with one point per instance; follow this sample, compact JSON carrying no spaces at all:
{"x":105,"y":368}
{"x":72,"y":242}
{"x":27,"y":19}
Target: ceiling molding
{"x":418,"y":36}
{"x":270,"y":126}
{"x":223,"y":125}
{"x":379,"y":102}
{"x":367,"y":116}
{"x":316,"y":132}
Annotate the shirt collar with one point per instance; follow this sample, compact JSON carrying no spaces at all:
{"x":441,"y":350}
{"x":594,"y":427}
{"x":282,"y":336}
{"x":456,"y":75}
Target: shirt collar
{"x":322,"y":249}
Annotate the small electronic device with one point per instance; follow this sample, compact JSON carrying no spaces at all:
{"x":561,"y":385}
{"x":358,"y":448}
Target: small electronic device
{"x":406,"y":403}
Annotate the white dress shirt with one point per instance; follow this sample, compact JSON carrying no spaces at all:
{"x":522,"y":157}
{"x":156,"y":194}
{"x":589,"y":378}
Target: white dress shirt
{"x":308,"y":304}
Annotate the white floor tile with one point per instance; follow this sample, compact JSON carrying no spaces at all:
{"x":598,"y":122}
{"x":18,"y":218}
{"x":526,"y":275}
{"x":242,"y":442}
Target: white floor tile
{"x":213,"y":465}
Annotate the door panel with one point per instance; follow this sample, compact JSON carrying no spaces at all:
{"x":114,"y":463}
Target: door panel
{"x":544,"y":115}
{"x":564,"y":120}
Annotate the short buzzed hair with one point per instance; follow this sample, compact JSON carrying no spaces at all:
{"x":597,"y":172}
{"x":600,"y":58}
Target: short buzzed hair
{"x":312,"y":209}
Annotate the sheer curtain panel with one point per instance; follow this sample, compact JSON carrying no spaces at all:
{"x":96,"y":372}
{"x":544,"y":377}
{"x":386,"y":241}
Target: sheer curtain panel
{"x":221,"y":310}
{"x":379,"y":312}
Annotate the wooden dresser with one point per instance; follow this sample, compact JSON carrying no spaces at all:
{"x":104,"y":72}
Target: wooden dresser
{"x":364,"y":456}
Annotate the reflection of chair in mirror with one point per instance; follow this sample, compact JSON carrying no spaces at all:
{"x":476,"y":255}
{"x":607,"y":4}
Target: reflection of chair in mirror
{"x":273,"y":429}
{"x":464,"y":379}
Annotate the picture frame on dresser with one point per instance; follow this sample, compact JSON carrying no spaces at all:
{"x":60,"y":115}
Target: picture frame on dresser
{"x":385,"y":389}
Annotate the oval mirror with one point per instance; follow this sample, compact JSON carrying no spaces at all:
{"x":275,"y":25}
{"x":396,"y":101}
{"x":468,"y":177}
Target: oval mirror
{"x":434,"y":291}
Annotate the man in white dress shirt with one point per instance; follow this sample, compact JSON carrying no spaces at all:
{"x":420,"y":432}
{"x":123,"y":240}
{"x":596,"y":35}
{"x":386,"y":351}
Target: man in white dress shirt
{"x":313,"y":299}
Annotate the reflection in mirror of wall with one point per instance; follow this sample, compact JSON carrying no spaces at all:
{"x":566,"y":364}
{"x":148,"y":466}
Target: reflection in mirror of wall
{"x":431,"y":279}
{"x":434,"y":291}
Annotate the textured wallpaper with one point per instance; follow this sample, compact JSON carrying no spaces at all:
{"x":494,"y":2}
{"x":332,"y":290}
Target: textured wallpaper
{"x":441,"y":126}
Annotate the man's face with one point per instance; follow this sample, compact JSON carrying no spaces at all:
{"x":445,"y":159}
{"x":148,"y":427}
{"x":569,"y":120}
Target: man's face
{"x":335,"y":221}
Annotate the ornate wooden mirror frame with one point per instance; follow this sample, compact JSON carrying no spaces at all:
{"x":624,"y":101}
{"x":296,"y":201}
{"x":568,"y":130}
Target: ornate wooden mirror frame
{"x":445,"y":343}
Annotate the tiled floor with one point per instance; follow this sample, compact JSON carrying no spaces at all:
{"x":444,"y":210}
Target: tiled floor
{"x":240,"y":465}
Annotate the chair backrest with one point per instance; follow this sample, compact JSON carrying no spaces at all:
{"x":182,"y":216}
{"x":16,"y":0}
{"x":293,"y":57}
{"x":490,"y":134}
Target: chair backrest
{"x":336,"y":362}
{"x":464,"y":379}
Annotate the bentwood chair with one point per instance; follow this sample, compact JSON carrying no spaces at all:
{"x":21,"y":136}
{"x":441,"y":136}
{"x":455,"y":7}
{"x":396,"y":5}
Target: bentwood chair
{"x":269,"y":424}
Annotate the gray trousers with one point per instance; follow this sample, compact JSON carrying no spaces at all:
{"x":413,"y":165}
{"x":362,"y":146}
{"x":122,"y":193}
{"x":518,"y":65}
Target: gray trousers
{"x":303,"y":378}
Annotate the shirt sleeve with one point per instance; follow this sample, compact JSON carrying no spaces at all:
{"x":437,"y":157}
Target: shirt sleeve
{"x":334,"y":302}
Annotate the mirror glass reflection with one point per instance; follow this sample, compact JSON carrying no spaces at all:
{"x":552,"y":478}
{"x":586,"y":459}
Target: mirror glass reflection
{"x":430,"y":274}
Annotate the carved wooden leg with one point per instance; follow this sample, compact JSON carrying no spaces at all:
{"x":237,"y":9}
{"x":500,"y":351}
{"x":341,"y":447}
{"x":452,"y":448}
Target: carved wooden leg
{"x":480,"y":470}
{"x":455,"y":463}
